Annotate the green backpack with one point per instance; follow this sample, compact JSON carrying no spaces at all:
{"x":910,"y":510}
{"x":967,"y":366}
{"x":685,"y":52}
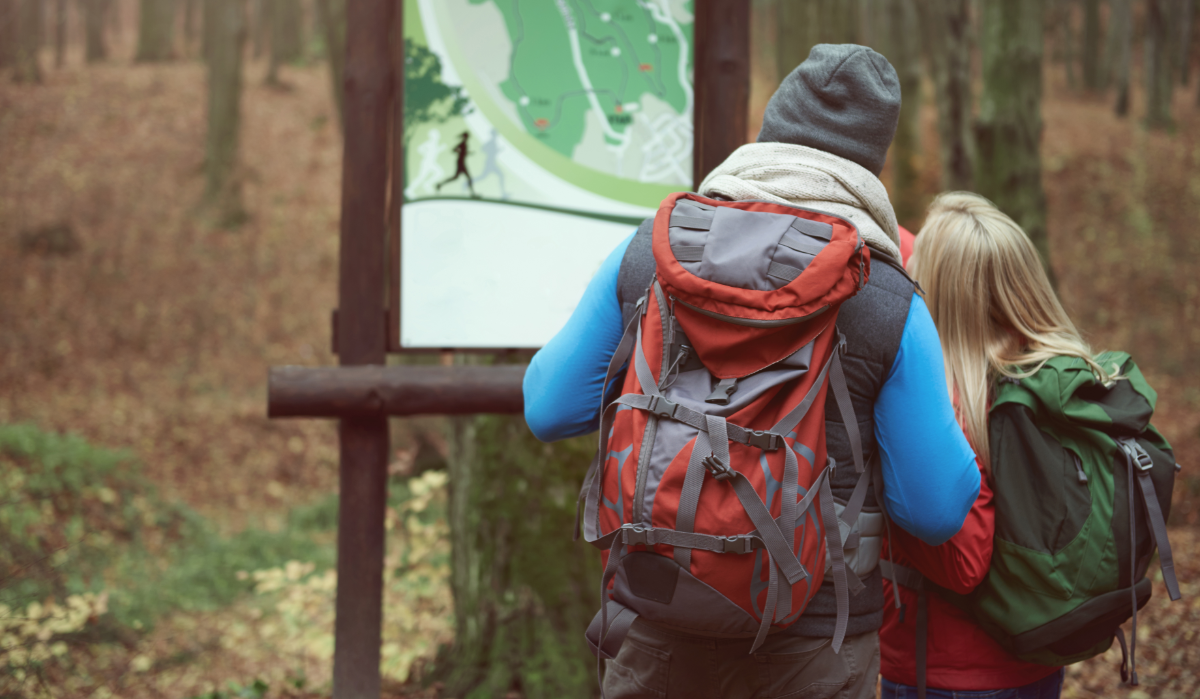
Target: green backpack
{"x":1082,"y":484}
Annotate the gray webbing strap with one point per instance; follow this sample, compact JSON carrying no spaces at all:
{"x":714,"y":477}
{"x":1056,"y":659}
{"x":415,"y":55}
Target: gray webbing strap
{"x":683,"y":221}
{"x":833,"y":545}
{"x":689,"y":496}
{"x":768,"y":530}
{"x":650,"y":536}
{"x":624,"y":349}
{"x":781,"y":271}
{"x":688,"y":253}
{"x":802,"y":244}
{"x":903,"y":575}
{"x":642,"y":368}
{"x":1158,"y":530}
{"x":1140,"y":464}
{"x":666,"y":322}
{"x":592,"y":483}
{"x":912,"y":579}
{"x":622,"y":618}
{"x":610,"y":570}
{"x":1133,"y":678}
{"x":769,"y":608}
{"x":787,"y":513}
{"x":665,"y":408}
{"x":815,"y":229}
{"x":855,"y":504}
{"x":796,"y":414}
{"x":877,"y":482}
{"x":837,"y":382}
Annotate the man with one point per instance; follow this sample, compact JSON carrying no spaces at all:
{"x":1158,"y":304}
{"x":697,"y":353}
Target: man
{"x":823,"y":142}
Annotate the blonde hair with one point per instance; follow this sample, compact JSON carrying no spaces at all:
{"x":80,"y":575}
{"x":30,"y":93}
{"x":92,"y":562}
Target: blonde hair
{"x":995,"y":311}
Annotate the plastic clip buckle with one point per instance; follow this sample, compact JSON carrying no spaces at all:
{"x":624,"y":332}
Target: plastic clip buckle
{"x":662,"y":407}
{"x":767,"y":441}
{"x":636,"y":535}
{"x":734,"y":544}
{"x":719,"y":469}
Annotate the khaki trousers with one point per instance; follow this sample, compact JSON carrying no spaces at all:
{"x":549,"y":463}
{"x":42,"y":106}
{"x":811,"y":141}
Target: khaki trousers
{"x":654,"y":662}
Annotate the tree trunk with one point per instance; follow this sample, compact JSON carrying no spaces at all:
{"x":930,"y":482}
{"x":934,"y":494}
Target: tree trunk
{"x":1159,"y":84}
{"x":523,"y":591}
{"x":1121,"y":20}
{"x":796,"y":33}
{"x":948,"y":48}
{"x":26,"y":68}
{"x":1009,"y":129}
{"x":156,"y":30}
{"x":222,"y":191}
{"x":93,"y":25}
{"x":8,"y":32}
{"x":286,"y":40}
{"x":1184,"y":61}
{"x":1069,"y":50}
{"x":899,"y":36}
{"x":333,"y":24}
{"x":190,"y":10}
{"x":1091,"y":45}
{"x":60,"y":33}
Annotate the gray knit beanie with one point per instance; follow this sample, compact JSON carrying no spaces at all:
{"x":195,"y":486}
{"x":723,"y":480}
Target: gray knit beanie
{"x":843,"y":99}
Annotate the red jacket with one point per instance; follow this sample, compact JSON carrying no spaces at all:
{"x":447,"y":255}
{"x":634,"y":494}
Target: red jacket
{"x":960,"y":654}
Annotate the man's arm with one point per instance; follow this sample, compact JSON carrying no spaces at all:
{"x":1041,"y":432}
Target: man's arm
{"x":563,"y":384}
{"x":929,"y":473}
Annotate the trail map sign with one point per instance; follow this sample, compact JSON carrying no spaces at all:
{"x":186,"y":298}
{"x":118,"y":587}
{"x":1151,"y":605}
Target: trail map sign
{"x":537,"y":135}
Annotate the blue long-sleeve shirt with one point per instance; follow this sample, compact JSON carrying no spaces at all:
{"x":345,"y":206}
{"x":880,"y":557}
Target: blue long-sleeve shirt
{"x":929,"y":472}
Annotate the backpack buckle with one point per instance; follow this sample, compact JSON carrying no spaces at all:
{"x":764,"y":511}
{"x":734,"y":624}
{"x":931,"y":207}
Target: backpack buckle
{"x":635,"y":535}
{"x":719,"y":469}
{"x":1137,"y":454}
{"x":767,"y":441}
{"x":735,"y":544}
{"x":662,"y":407}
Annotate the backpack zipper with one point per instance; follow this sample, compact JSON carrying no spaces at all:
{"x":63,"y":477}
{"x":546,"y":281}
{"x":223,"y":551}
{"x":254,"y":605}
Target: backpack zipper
{"x":752,"y":322}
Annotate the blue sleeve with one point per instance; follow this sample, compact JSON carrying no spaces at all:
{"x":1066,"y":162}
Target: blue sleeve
{"x":563,"y":384}
{"x":929,"y":474}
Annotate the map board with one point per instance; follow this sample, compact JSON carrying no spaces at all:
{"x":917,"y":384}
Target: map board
{"x":537,"y":135}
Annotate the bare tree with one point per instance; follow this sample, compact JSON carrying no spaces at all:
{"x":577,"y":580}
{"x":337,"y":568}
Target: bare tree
{"x":93,"y":22}
{"x":156,"y":30}
{"x":1184,"y":60}
{"x":1091,"y":45}
{"x":1121,"y":30}
{"x":948,"y":49}
{"x":285,"y":18}
{"x":332,"y":14}
{"x":222,"y":187}
{"x":1009,"y":129}
{"x":60,"y":32}
{"x":26,"y":68}
{"x":899,"y":38}
{"x":8,"y":32}
{"x":1157,"y":70}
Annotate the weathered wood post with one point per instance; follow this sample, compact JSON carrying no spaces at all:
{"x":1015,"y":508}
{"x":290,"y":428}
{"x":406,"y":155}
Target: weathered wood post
{"x":361,"y":340}
{"x":721,"y":36}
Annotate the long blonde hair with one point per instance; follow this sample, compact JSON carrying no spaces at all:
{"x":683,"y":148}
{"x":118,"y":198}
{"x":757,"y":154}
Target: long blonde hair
{"x":992,"y":303}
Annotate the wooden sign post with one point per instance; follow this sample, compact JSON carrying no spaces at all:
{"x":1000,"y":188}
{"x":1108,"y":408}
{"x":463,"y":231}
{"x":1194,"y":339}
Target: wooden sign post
{"x":362,"y":392}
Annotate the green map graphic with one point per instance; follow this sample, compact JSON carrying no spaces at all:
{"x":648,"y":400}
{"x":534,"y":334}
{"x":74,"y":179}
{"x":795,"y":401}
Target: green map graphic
{"x":595,"y":93}
{"x":625,"y":53}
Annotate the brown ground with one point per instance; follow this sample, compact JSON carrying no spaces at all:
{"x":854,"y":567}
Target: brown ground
{"x":155,"y":334}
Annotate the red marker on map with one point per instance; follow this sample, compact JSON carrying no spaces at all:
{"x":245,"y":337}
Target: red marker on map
{"x":541,"y":123}
{"x":645,"y":67}
{"x":619,"y":109}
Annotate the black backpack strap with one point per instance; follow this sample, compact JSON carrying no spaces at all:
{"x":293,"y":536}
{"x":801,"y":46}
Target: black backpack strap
{"x":912,"y":579}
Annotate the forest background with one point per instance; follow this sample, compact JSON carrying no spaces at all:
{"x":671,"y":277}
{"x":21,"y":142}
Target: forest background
{"x":169,"y":182}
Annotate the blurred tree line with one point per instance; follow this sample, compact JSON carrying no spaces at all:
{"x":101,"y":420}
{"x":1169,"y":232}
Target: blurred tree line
{"x":219,"y":32}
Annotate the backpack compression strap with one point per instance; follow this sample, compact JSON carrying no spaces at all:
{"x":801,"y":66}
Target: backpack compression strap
{"x":1140,"y":462}
{"x":912,"y":579}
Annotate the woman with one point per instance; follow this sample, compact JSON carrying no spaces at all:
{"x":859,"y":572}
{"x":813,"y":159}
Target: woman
{"x":997,"y":316}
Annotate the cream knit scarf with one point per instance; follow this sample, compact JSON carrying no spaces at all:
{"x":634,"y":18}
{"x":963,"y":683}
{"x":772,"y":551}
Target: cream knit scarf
{"x":803,"y":176}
